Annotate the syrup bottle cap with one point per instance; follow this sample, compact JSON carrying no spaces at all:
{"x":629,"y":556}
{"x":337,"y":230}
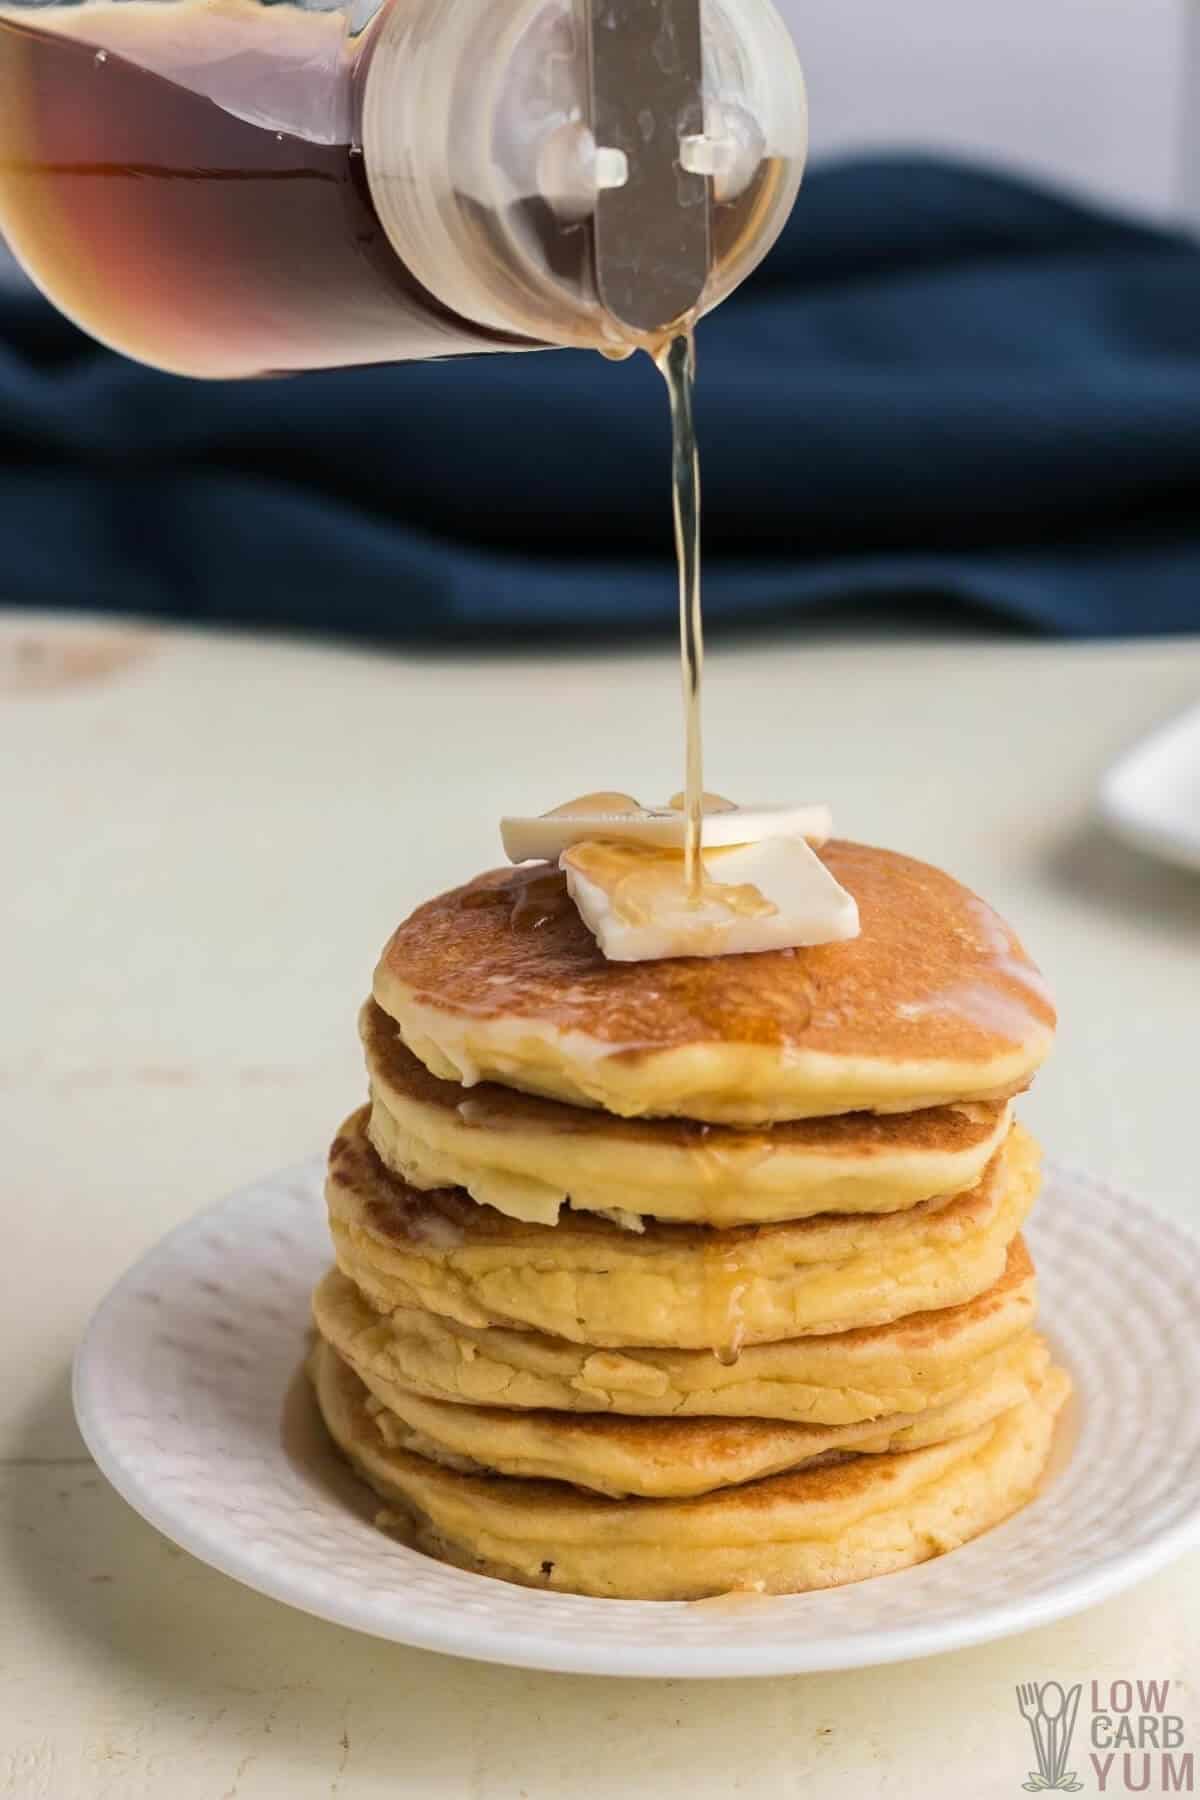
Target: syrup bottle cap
{"x":591,"y":172}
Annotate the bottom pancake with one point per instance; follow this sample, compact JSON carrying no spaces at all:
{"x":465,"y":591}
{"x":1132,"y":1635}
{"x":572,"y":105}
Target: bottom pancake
{"x":823,"y":1527}
{"x":677,"y":1458}
{"x":927,"y":1359}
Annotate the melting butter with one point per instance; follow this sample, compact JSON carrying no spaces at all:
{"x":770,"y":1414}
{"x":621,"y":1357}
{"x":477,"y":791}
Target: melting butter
{"x":640,"y":880}
{"x":610,"y":814}
{"x":595,"y":806}
{"x":638,"y":903}
{"x":709,"y":804}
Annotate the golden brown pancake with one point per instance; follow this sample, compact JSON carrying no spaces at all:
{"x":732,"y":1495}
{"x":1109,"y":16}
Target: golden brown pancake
{"x":923,"y":1360}
{"x":676,"y":1458}
{"x":529,"y":1156}
{"x":820,"y":1527}
{"x":678,"y":1286}
{"x":934,"y":1002}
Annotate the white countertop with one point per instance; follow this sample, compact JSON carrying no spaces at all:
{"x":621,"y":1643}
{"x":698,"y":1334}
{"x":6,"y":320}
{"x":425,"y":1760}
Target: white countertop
{"x":206,"y":840}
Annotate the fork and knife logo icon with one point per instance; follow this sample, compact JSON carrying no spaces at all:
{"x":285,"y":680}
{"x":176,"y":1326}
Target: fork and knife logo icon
{"x":1050,"y":1710}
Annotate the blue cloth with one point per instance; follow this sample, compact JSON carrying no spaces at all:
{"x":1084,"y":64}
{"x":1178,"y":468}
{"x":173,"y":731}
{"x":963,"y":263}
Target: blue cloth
{"x":943,"y":386}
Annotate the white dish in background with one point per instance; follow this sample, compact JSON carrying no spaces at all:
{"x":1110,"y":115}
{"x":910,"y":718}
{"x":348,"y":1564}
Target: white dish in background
{"x":1151,"y":797}
{"x":189,"y":1393}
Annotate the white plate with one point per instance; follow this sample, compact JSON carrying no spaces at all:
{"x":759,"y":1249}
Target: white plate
{"x":187,"y":1389}
{"x":1151,"y":797}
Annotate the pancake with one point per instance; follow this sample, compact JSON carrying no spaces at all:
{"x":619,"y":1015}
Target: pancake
{"x":924,"y":1360}
{"x":678,"y":1286}
{"x":817,"y":1528}
{"x":934,"y":1002}
{"x":528,"y":1156}
{"x":676,"y":1458}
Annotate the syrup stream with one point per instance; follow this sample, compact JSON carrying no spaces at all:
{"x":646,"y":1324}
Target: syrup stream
{"x":677,"y":365}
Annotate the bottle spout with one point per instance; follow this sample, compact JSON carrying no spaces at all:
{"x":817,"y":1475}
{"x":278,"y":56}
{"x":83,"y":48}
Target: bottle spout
{"x":652,"y":237}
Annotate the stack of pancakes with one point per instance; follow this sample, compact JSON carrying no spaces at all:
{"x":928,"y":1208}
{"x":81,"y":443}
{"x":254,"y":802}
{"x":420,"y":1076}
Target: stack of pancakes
{"x":661,"y":1280}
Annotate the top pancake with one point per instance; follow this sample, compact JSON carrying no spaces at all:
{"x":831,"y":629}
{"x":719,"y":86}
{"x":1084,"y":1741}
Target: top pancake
{"x":934,"y":1002}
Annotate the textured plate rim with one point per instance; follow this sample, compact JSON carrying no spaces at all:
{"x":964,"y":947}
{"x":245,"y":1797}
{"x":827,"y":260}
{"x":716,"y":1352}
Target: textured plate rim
{"x":534,"y":1648}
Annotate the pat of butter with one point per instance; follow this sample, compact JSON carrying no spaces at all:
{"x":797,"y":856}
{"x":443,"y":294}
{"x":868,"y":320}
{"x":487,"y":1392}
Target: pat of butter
{"x":619,"y":817}
{"x":776,"y":894}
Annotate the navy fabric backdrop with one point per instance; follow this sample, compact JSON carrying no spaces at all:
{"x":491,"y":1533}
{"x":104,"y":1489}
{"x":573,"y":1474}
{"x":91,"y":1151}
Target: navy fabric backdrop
{"x":942,"y":387}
